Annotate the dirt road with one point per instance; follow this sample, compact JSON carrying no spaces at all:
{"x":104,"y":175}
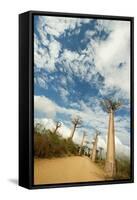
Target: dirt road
{"x":65,"y":170}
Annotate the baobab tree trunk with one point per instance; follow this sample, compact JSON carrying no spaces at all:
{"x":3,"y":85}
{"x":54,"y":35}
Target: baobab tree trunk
{"x":97,"y":154}
{"x":72,"y":132}
{"x":82,"y":142}
{"x":91,"y":150}
{"x":94,"y":152}
{"x":110,"y":166}
{"x":100,"y":153}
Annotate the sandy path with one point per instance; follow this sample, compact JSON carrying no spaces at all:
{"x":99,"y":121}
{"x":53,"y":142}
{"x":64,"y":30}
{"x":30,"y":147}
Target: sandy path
{"x":68,"y":169}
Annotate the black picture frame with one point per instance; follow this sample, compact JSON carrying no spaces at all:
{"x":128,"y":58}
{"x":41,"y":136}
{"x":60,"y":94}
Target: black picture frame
{"x":26,"y":101}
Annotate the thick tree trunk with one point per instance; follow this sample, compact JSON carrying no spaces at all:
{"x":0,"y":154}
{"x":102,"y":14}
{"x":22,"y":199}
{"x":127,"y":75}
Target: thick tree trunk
{"x":94,"y":152}
{"x":82,"y":142}
{"x":91,"y":151}
{"x":110,"y":166}
{"x":100,"y":154}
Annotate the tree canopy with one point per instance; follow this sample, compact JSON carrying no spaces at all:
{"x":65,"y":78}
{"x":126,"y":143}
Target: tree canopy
{"x":109,"y":104}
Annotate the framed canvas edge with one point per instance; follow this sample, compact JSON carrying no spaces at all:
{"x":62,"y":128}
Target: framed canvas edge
{"x":31,"y":99}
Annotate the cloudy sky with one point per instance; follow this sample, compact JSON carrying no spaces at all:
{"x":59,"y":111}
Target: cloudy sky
{"x":77,"y":63}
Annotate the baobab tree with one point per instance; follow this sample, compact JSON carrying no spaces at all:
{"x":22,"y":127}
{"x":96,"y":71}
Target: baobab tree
{"x":94,"y":151}
{"x":85,"y":150}
{"x":110,"y":106}
{"x":87,"y":142}
{"x":76,"y":121}
{"x":91,"y":149}
{"x":82,"y":142}
{"x":97,"y":154}
{"x":88,"y":149}
{"x":100,"y":152}
{"x":57,"y":125}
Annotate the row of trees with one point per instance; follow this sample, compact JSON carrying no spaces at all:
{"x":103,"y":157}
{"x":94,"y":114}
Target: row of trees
{"x":110,"y":107}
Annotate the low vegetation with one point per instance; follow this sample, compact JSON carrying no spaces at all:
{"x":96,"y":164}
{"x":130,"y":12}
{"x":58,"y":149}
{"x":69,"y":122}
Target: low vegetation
{"x":49,"y":144}
{"x":123,"y":169}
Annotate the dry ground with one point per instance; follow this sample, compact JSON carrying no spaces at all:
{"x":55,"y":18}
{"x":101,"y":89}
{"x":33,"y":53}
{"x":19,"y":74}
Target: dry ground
{"x":66,"y":170}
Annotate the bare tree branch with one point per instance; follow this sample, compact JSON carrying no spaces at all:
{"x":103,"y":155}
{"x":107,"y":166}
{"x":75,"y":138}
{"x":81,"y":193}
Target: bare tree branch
{"x":77,"y":121}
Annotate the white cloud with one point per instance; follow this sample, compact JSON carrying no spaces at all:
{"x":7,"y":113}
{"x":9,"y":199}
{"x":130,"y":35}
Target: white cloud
{"x":90,"y":33}
{"x":108,"y":57}
{"x":42,"y":82}
{"x":58,"y":25}
{"x":74,"y":105}
{"x":45,"y":105}
{"x":54,"y":48}
{"x":43,"y":34}
{"x":71,"y":56}
{"x":122,"y":129}
{"x":78,"y":64}
{"x":50,"y":108}
{"x":46,"y":49}
{"x":113,"y":51}
{"x":105,"y":54}
{"x":120,"y":148}
{"x":63,"y":93}
{"x":46,"y":57}
{"x":63,"y":81}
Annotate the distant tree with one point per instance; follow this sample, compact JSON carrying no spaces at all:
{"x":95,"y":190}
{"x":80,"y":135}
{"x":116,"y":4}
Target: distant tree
{"x":87,"y":142}
{"x":100,"y":152}
{"x":88,"y":149}
{"x":94,"y":142}
{"x":57,"y":125}
{"x":82,"y":142}
{"x":77,"y":123}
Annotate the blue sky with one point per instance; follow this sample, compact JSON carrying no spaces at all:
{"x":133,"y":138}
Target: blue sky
{"x":77,"y":63}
